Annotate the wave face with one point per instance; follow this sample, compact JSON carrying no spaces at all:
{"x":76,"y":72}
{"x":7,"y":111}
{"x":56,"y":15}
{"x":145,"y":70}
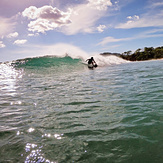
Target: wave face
{"x":49,"y":63}
{"x":46,"y":61}
{"x":65,"y":61}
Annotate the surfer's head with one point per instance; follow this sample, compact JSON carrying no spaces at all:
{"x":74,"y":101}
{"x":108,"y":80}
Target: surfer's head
{"x":92,"y":58}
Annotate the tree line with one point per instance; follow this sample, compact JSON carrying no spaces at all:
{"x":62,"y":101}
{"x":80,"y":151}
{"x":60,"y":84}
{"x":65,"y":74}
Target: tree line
{"x":141,"y":55}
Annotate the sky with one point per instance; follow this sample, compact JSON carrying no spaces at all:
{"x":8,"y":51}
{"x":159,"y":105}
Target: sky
{"x":31,"y":28}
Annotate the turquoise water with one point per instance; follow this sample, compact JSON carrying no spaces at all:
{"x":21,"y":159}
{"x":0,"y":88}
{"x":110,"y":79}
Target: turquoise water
{"x":57,"y":110}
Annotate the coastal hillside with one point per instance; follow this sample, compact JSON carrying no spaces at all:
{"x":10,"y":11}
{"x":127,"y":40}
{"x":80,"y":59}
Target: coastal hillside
{"x":147,"y":53}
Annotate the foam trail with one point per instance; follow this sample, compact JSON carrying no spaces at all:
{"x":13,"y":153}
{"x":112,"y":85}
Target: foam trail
{"x":108,"y":60}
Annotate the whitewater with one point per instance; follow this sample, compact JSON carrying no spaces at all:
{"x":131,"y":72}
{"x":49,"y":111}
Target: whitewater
{"x":54,"y":109}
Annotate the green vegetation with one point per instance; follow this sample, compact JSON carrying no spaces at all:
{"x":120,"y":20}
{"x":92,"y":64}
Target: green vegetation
{"x":147,"y":54}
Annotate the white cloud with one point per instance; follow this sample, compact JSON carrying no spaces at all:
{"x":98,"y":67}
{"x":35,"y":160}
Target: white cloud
{"x":135,"y":17}
{"x":13,"y":35}
{"x":148,"y":34}
{"x":33,"y":34}
{"x":129,"y":17}
{"x":46,"y":18}
{"x":20,"y":42}
{"x":156,"y":4}
{"x":109,"y":39}
{"x":148,"y":21}
{"x":79,"y":18}
{"x":41,"y":25}
{"x":31,"y":12}
{"x":132,"y":19}
{"x":2,"y":45}
{"x":83,"y":19}
{"x":152,"y":18}
{"x":100,"y":4}
{"x":101,"y":28}
{"x":7,"y":26}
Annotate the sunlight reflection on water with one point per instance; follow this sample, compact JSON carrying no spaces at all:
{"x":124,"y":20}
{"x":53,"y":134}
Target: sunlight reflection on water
{"x":35,"y":152}
{"x":8,"y":78}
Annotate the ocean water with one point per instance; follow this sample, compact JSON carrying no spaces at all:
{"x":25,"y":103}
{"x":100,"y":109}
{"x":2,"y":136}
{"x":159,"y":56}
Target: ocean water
{"x":55,"y":109}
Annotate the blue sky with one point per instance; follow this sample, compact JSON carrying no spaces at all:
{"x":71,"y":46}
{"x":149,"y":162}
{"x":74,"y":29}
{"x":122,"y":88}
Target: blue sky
{"x":46,"y":27}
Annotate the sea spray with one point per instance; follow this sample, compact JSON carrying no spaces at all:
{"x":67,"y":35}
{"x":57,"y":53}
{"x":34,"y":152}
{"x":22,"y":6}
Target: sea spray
{"x":108,"y":60}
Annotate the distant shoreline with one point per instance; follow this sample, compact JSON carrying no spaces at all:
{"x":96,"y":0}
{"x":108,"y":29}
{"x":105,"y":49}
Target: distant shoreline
{"x":149,"y":53}
{"x":129,"y":60}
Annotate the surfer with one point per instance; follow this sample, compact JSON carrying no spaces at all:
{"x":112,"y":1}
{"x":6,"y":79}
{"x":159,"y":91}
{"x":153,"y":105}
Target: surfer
{"x":91,"y":62}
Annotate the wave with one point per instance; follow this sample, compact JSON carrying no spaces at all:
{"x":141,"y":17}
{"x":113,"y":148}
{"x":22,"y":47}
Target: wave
{"x":46,"y":61}
{"x":59,"y":55}
{"x":108,"y":60}
{"x":66,"y":60}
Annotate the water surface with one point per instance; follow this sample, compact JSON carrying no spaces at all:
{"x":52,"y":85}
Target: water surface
{"x":57,"y":110}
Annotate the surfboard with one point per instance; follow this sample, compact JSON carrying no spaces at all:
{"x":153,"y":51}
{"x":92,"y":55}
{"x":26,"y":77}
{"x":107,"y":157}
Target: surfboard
{"x":90,"y":65}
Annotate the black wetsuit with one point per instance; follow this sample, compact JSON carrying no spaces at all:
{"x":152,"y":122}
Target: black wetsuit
{"x":90,"y":61}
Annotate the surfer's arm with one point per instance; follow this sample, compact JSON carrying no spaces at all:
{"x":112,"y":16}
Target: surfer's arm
{"x":94,"y":61}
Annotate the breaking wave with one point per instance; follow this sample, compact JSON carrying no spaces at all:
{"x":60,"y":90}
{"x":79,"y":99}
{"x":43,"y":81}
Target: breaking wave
{"x":66,"y":60}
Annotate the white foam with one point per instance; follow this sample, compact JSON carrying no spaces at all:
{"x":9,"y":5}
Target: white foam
{"x":108,"y":60}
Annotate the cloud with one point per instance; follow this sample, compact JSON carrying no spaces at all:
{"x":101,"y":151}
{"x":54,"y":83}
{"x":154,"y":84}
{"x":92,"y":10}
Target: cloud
{"x":2,"y":45}
{"x":107,"y":40}
{"x":31,"y":12}
{"x":148,"y":34}
{"x":135,"y":17}
{"x":147,"y":21}
{"x":84,"y":18}
{"x":46,"y":18}
{"x":41,"y":25}
{"x":133,"y":21}
{"x":101,"y":28}
{"x":7,"y":26}
{"x":13,"y":35}
{"x":79,"y":18}
{"x":9,"y":8}
{"x":156,"y":4}
{"x":20,"y":42}
{"x":32,"y":34}
{"x":152,"y":18}
{"x":100,"y":4}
